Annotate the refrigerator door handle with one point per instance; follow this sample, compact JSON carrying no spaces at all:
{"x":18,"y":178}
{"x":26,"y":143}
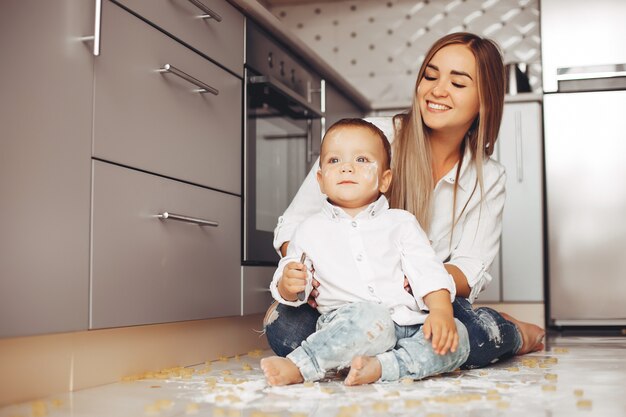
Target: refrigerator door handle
{"x":518,"y":147}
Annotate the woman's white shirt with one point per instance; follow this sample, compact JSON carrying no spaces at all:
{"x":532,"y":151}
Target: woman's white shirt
{"x":471,"y":245}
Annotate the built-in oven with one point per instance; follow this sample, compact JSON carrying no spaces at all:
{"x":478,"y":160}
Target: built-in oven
{"x":284,"y":109}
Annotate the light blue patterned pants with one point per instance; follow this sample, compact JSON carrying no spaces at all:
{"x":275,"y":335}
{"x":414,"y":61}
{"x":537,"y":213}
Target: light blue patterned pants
{"x":367,"y":329}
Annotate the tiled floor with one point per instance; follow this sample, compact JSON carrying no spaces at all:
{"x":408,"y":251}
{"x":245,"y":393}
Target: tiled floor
{"x":575,"y":376}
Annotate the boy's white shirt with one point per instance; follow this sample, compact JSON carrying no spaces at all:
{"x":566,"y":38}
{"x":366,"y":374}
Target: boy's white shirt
{"x":475,"y":237}
{"x":366,"y":258}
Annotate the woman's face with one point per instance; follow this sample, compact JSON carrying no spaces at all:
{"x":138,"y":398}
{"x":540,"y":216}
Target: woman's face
{"x":448,"y":92}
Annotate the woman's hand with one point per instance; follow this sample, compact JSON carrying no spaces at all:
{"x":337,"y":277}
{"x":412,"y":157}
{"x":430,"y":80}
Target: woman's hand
{"x":314,"y":292}
{"x":407,"y":286}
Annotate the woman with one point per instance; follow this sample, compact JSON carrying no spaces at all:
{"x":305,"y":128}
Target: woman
{"x":442,"y":173}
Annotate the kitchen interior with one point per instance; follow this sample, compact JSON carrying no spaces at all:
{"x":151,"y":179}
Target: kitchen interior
{"x":148,"y":149}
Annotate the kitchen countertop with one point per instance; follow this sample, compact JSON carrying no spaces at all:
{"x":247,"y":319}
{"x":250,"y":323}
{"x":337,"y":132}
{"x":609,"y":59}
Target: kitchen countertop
{"x":523,"y":97}
{"x":272,"y":24}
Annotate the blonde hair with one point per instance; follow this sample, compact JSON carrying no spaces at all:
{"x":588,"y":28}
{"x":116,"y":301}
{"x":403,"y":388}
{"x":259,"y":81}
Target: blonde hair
{"x":412,"y":185}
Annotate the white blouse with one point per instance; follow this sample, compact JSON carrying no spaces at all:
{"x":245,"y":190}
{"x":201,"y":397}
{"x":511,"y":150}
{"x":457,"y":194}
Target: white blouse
{"x":475,"y":237}
{"x":365,"y":258}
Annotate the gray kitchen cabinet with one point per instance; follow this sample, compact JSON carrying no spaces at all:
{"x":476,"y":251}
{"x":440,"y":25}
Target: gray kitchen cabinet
{"x":45,"y":148}
{"x":147,"y":269}
{"x":54,"y":111}
{"x":214,"y":28}
{"x":255,"y":284}
{"x":522,"y":244}
{"x":159,"y":122}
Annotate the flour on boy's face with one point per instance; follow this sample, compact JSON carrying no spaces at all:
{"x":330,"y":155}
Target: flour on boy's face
{"x":351,"y":167}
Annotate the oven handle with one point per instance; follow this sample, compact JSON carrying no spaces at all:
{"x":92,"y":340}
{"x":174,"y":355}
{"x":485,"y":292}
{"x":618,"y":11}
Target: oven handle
{"x":309,"y":141}
{"x":286,"y":92}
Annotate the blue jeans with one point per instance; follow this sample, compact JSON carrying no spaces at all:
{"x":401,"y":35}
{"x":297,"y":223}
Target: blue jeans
{"x":491,"y":337}
{"x":367,"y":329}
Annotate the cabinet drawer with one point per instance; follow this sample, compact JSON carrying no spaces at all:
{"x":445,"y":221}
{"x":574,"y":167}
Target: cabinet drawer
{"x":147,"y":270}
{"x":157,"y":121}
{"x":221,"y":41}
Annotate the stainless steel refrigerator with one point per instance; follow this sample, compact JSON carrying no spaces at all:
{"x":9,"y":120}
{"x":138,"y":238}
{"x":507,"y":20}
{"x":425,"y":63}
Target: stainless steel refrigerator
{"x":584,"y":80}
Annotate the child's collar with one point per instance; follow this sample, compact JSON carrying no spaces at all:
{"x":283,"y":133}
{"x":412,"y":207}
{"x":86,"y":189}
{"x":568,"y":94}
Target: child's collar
{"x":371,"y":211}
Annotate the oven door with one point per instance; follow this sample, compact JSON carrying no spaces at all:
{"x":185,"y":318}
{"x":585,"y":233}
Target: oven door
{"x":283,"y":136}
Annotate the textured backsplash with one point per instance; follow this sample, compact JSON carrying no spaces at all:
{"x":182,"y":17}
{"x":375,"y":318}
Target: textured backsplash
{"x":378,"y":45}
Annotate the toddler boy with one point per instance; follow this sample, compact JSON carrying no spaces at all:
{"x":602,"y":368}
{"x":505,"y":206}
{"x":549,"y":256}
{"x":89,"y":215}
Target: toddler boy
{"x":361,"y":250}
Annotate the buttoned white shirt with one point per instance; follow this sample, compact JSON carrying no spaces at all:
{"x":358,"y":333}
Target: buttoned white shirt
{"x":366,"y":258}
{"x":473,"y":242}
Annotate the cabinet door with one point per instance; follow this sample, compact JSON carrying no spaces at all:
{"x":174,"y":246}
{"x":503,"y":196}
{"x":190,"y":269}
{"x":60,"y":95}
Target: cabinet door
{"x":521,"y":152}
{"x":151,"y":270}
{"x":493,"y":292}
{"x":45,"y":149}
{"x":159,"y":122}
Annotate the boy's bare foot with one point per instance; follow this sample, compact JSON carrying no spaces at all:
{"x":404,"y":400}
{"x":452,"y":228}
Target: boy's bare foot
{"x":532,"y":335}
{"x":280,"y":371}
{"x":363,"y":370}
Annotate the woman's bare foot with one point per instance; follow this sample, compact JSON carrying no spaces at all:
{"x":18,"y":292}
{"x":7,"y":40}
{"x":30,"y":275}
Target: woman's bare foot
{"x":280,"y":371}
{"x":532,"y":335}
{"x":363,"y":370}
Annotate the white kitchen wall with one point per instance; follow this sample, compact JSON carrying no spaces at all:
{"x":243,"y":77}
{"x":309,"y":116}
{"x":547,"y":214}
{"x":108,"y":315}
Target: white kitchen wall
{"x":378,"y":45}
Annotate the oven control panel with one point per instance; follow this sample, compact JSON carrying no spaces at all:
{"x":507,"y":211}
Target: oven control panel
{"x":266,"y":56}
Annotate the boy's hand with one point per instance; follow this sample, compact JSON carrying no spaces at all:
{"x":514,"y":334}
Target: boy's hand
{"x":292,"y":281}
{"x":441,"y":328}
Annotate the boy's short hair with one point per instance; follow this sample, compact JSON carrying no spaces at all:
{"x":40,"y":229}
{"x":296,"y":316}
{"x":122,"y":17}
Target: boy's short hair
{"x":356,"y":122}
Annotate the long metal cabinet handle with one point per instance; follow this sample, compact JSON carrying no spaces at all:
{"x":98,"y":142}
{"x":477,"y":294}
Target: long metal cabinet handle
{"x":178,"y":217}
{"x":204,"y":88}
{"x":95,"y":38}
{"x":518,"y":147}
{"x":208,"y":13}
{"x":96,"y":28}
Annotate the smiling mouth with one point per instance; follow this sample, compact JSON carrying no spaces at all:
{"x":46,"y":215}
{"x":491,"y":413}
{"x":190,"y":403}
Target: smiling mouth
{"x":437,"y":106}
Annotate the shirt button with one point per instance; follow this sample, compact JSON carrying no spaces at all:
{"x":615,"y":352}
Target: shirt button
{"x":359,"y":257}
{"x":371,"y":289}
{"x":391,"y":311}
{"x":353,"y":223}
